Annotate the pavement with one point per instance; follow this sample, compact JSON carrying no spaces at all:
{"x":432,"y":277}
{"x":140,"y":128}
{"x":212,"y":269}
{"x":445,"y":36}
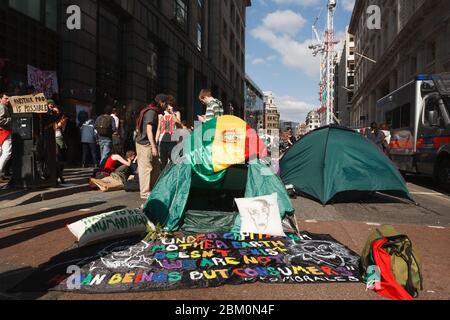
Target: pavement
{"x":33,"y":233}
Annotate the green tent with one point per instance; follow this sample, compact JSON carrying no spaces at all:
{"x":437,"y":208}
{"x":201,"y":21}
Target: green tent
{"x":197,"y":199}
{"x":334,"y":163}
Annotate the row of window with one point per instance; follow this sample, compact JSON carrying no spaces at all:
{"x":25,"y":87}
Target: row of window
{"x":45,"y":11}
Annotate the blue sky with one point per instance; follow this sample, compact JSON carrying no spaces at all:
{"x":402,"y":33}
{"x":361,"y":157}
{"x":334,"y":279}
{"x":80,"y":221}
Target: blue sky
{"x":277,"y":55}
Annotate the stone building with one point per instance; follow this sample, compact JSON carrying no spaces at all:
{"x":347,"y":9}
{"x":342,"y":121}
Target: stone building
{"x":414,"y":38}
{"x":271,"y":115}
{"x":313,"y":121}
{"x":128,"y":51}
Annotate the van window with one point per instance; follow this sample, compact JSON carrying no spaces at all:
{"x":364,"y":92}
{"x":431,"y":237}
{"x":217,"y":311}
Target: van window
{"x":399,"y":117}
{"x":432,"y":104}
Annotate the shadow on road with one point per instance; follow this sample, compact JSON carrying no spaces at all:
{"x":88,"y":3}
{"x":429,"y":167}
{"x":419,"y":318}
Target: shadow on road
{"x":46,"y":214}
{"x":425,"y":182}
{"x":41,"y":229}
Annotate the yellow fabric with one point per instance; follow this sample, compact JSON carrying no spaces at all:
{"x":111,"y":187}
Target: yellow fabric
{"x":229,"y":144}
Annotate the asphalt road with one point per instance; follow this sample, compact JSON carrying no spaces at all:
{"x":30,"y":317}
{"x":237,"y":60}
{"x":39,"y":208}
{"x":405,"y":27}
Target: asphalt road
{"x":30,"y":235}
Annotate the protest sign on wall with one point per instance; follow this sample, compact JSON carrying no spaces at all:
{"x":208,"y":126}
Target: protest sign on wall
{"x":29,"y":104}
{"x":199,"y":261}
{"x":43,"y":81}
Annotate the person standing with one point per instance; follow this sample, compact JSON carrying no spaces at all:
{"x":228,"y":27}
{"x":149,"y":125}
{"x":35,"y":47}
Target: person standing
{"x":376,"y":136}
{"x":291,"y":140}
{"x":105,"y":126}
{"x":146,"y":145}
{"x":5,"y":134}
{"x":166,"y":134}
{"x":214,"y":107}
{"x":89,"y":142}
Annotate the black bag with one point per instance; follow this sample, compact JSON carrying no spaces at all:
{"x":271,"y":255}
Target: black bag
{"x":104,"y":126}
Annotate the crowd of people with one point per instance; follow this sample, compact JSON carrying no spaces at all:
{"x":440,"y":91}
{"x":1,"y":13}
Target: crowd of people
{"x":158,"y":129}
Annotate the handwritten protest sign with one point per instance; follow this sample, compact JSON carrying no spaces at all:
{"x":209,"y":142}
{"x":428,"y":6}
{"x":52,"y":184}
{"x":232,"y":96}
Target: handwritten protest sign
{"x":29,"y":104}
{"x":43,"y":81}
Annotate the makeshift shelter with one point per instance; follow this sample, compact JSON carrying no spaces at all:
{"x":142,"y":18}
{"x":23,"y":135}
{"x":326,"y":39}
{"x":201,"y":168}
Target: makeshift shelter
{"x":223,"y":160}
{"x":335,"y":163}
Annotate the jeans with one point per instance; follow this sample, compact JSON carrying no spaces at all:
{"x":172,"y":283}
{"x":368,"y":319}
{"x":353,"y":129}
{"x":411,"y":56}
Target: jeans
{"x":92,"y":149}
{"x":5,"y":153}
{"x":165,"y":153}
{"x":105,"y":148}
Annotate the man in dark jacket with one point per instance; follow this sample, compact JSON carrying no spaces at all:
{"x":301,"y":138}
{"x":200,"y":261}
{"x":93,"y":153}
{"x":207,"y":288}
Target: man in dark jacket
{"x":106,"y":127}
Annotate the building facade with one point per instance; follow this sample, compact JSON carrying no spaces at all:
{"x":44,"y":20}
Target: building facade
{"x":128,"y":51}
{"x":254,"y":105}
{"x":414,"y":38}
{"x":313,"y":121}
{"x":271,"y":115}
{"x":345,"y":81}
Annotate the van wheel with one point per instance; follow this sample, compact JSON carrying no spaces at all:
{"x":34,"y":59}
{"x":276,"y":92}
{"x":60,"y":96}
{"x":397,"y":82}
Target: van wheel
{"x":443,"y":175}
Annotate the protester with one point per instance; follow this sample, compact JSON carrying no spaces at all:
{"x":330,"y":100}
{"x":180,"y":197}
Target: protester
{"x":166,"y":134}
{"x":5,"y":135}
{"x":59,"y":125}
{"x":118,"y":134}
{"x":89,"y":142}
{"x":146,"y":145}
{"x":116,"y":172}
{"x":291,"y":140}
{"x":214,"y":107}
{"x":376,"y":135}
{"x":387,"y":137}
{"x":105,"y":126}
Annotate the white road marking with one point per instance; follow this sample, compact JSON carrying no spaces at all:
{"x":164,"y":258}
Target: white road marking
{"x":428,"y":193}
{"x":45,"y":209}
{"x":311,"y":221}
{"x":436,"y":227}
{"x":373,"y":224}
{"x":85,"y":210}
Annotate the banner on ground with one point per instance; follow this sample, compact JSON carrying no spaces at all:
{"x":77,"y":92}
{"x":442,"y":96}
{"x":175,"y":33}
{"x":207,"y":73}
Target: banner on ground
{"x":198,"y":261}
{"x":29,"y":104}
{"x":43,"y":81}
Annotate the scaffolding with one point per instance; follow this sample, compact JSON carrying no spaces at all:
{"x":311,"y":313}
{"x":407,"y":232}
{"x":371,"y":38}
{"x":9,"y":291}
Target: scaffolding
{"x":325,"y":47}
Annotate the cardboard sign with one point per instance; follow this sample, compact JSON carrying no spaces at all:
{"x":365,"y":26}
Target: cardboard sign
{"x":29,"y":104}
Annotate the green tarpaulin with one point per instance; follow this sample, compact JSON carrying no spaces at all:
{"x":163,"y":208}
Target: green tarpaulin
{"x":333,"y":161}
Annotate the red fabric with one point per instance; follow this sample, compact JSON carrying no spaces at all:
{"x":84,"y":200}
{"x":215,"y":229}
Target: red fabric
{"x":110,"y":165}
{"x":167,"y":124}
{"x":4,"y":134}
{"x":251,"y":150}
{"x":389,"y":287}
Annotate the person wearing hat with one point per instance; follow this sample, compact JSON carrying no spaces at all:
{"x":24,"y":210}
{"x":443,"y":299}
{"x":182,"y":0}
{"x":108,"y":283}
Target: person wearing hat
{"x":146,"y":146}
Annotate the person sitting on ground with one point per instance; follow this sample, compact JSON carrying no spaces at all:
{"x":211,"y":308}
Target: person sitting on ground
{"x":120,"y":171}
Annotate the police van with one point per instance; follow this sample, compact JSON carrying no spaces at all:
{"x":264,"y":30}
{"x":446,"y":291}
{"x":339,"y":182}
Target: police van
{"x":418,"y":115}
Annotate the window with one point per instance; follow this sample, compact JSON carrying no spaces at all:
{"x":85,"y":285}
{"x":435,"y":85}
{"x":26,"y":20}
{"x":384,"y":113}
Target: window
{"x":29,"y":8}
{"x":431,"y":110}
{"x":399,"y":117}
{"x":199,"y":37}
{"x":225,"y":30}
{"x":181,"y":13}
{"x":51,"y":14}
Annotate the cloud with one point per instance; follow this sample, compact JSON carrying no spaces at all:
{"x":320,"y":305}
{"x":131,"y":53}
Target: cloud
{"x":303,"y":3}
{"x":286,"y":21}
{"x":292,"y":52}
{"x":348,"y":4}
{"x":292,"y":109}
{"x":265,"y":61}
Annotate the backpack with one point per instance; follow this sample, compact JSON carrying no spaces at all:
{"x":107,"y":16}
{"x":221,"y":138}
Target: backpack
{"x":104,"y":126}
{"x":402,"y":277}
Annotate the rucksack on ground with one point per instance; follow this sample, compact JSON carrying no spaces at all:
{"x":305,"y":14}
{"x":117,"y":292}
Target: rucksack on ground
{"x":105,"y":126}
{"x":398,"y":262}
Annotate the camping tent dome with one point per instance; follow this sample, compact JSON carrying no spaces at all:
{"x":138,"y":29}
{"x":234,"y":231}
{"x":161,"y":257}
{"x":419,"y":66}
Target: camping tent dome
{"x":216,"y":168}
{"x":333,"y":162}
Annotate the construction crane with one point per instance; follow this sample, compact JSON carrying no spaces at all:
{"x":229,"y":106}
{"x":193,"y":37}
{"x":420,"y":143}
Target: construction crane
{"x":325,"y":47}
